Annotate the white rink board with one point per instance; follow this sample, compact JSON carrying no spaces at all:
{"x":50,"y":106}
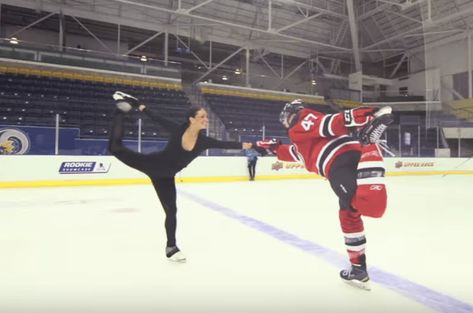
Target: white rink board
{"x":47,"y":168}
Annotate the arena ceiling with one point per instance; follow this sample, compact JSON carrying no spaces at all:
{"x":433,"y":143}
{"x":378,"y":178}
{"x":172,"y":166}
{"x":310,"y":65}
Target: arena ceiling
{"x":331,"y":32}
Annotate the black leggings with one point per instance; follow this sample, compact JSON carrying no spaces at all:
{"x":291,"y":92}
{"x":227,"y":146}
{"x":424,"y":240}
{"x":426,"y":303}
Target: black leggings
{"x":153,"y":165}
{"x":252,"y":168}
{"x":342,"y":177}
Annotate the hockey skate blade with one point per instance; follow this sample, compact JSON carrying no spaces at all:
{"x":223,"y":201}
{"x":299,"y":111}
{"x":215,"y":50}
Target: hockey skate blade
{"x":178,"y":257}
{"x":383,"y":111}
{"x":359,"y":284}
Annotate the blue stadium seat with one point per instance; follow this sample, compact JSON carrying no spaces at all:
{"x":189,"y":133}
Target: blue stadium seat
{"x":36,"y":100}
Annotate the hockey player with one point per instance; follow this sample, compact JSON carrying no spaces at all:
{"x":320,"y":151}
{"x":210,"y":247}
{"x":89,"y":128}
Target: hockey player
{"x":343,"y":148}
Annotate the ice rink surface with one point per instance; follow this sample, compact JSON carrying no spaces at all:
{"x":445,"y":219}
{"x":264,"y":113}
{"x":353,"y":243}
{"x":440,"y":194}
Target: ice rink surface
{"x":263,"y":246}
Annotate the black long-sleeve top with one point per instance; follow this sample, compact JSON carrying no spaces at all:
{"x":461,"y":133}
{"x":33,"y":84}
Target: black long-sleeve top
{"x":174,"y":154}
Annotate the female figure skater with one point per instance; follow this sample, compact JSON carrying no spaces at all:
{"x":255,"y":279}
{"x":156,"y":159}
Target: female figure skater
{"x":186,"y":142}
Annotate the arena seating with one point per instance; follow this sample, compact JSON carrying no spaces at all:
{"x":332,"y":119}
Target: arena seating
{"x":246,"y":112}
{"x":462,"y":109}
{"x":34,"y":97}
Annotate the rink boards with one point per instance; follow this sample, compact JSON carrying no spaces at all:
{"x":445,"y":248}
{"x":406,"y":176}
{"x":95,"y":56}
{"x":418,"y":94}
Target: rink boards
{"x":49,"y":171}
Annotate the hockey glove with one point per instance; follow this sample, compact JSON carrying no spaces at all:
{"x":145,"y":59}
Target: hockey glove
{"x":268,"y":145}
{"x":372,"y":132}
{"x":359,"y":116}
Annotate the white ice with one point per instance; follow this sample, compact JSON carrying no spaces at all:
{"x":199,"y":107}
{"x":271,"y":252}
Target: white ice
{"x":101,"y":249}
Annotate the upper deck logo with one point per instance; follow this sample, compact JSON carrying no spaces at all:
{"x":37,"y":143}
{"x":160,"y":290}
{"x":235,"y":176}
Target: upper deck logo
{"x":83,"y":167}
{"x":276,"y":166}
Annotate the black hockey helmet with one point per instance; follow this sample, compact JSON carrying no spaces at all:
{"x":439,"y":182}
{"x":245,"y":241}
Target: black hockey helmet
{"x":288,"y":113}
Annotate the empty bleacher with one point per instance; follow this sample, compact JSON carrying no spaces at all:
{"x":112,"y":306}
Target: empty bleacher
{"x":36,"y":97}
{"x":246,"y":110}
{"x":462,"y":109}
{"x":40,"y":96}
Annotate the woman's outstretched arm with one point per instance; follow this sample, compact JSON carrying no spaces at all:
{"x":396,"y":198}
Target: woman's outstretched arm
{"x":220,"y":144}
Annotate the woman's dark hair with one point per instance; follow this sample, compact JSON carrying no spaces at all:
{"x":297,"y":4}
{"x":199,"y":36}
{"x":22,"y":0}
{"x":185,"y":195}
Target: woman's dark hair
{"x":192,"y":112}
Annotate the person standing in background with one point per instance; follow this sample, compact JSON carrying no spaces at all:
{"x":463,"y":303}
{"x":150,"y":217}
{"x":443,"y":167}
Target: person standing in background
{"x":252,"y":157}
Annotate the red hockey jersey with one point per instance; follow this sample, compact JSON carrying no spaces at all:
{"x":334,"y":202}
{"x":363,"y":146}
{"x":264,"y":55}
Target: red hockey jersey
{"x":317,"y":139}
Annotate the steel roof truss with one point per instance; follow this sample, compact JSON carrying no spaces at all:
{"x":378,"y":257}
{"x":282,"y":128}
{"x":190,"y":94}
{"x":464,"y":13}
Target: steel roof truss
{"x":313,"y":7}
{"x":32,"y":24}
{"x":404,"y":56}
{"x":354,"y":34}
{"x":231,"y":24}
{"x":294,"y":70}
{"x":270,"y":67}
{"x":425,"y":26}
{"x":192,"y":52}
{"x":403,"y":16}
{"x":368,"y":32}
{"x":197,"y":6}
{"x":92,"y":34}
{"x":297,"y":23}
{"x":218,"y":65}
{"x":143,"y":42}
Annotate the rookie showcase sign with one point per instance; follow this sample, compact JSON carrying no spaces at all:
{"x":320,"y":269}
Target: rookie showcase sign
{"x":83,"y":167}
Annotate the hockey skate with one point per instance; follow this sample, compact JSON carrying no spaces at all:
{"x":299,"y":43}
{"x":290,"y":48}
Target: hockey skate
{"x":373,"y":131}
{"x":356,"y":276}
{"x":125,"y":102}
{"x":175,"y":255}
